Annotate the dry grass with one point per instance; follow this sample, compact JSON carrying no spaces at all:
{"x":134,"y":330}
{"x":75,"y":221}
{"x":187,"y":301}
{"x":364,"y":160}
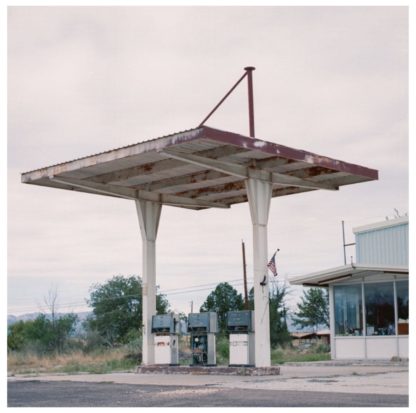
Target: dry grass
{"x":122,"y":359}
{"x":286,"y":355}
{"x":102,"y":362}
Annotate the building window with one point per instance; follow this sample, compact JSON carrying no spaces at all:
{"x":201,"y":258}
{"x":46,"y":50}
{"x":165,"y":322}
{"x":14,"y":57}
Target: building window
{"x":402,"y":290}
{"x":379,"y":309}
{"x":348,"y":314}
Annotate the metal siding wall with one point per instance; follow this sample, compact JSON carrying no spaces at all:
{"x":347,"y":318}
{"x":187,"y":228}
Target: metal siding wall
{"x":384,"y":246}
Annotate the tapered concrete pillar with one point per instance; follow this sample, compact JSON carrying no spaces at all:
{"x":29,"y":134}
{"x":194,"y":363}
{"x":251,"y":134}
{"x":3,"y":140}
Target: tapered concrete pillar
{"x":149,"y":216}
{"x":259,"y":196}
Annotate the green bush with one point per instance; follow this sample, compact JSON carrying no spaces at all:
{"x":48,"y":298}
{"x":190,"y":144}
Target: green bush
{"x":277,"y":356}
{"x":93,"y":342}
{"x":133,"y":346}
{"x":287,"y":355}
{"x":223,"y":350}
{"x":322,"y":348}
{"x":42,"y":335}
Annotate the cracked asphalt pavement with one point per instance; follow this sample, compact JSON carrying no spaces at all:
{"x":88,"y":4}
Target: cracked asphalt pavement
{"x":303,"y":385}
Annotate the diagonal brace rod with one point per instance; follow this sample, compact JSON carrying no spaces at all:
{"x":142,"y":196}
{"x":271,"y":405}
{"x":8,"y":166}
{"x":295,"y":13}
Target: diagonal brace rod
{"x":223,"y":99}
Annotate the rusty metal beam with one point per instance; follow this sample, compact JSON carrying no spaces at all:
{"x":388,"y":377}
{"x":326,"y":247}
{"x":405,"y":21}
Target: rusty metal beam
{"x":275,"y":193}
{"x":215,"y":189}
{"x":311,"y":172}
{"x":237,"y":185}
{"x":245,"y":173}
{"x":193,"y":181}
{"x":134,"y":194}
{"x":123,"y":175}
{"x":276,"y":162}
{"x":226,"y":168}
{"x":112,"y":190}
{"x":202,"y":179}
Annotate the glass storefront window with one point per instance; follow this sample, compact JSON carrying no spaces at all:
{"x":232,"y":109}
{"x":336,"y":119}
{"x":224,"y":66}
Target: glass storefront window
{"x":348,"y":310}
{"x":379,"y":309}
{"x":402,"y":290}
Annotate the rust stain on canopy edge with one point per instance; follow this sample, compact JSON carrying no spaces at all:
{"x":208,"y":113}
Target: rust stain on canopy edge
{"x":223,"y":137}
{"x":288,"y":152}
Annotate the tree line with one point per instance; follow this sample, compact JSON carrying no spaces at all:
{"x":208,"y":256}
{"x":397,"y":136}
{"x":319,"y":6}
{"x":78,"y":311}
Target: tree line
{"x":116,"y":317}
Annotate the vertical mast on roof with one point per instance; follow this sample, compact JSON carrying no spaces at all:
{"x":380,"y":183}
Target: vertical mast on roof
{"x":249,"y":71}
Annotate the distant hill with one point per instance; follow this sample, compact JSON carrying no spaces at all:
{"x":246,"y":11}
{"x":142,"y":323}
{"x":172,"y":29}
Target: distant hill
{"x":11,"y":319}
{"x":82,"y":316}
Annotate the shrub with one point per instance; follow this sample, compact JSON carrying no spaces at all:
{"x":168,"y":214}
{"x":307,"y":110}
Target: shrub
{"x":223,"y":350}
{"x":93,"y":342}
{"x":322,"y":348}
{"x":133,"y":346}
{"x":42,"y":335}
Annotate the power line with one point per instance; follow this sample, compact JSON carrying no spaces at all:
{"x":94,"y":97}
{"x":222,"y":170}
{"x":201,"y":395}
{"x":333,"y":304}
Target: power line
{"x":176,"y":291}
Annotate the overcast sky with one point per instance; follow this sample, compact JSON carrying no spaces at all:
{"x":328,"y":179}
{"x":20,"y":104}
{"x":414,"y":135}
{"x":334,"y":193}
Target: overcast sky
{"x":331,"y":80}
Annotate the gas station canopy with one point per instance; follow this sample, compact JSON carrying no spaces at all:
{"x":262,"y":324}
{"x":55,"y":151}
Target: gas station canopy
{"x":199,"y":168}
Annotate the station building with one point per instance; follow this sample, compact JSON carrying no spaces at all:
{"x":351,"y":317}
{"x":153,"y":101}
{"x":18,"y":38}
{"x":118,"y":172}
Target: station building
{"x":369,"y":299}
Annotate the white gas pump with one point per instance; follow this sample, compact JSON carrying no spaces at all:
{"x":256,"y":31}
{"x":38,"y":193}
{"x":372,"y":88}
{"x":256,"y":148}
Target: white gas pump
{"x":240,"y":325}
{"x":165,"y":328}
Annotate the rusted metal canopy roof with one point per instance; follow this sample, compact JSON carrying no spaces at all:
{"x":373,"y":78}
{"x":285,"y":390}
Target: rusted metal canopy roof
{"x":199,"y":168}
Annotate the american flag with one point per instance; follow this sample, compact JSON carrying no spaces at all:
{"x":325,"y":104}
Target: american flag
{"x":272,"y":265}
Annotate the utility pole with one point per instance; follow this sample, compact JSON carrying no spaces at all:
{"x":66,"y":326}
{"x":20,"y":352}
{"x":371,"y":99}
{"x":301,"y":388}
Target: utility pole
{"x":244,"y":275}
{"x":192,"y":306}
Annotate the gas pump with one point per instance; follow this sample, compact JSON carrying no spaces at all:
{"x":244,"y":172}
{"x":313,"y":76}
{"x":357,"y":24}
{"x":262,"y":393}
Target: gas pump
{"x":202,"y":328}
{"x":240,"y":325}
{"x":165,"y":328}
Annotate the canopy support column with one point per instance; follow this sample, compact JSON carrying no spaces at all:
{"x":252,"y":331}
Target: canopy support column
{"x":149,"y":216}
{"x":259,"y":195}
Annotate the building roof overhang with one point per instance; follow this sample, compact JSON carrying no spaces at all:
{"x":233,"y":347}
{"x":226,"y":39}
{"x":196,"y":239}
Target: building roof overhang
{"x":333,"y":275}
{"x":199,"y":168}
